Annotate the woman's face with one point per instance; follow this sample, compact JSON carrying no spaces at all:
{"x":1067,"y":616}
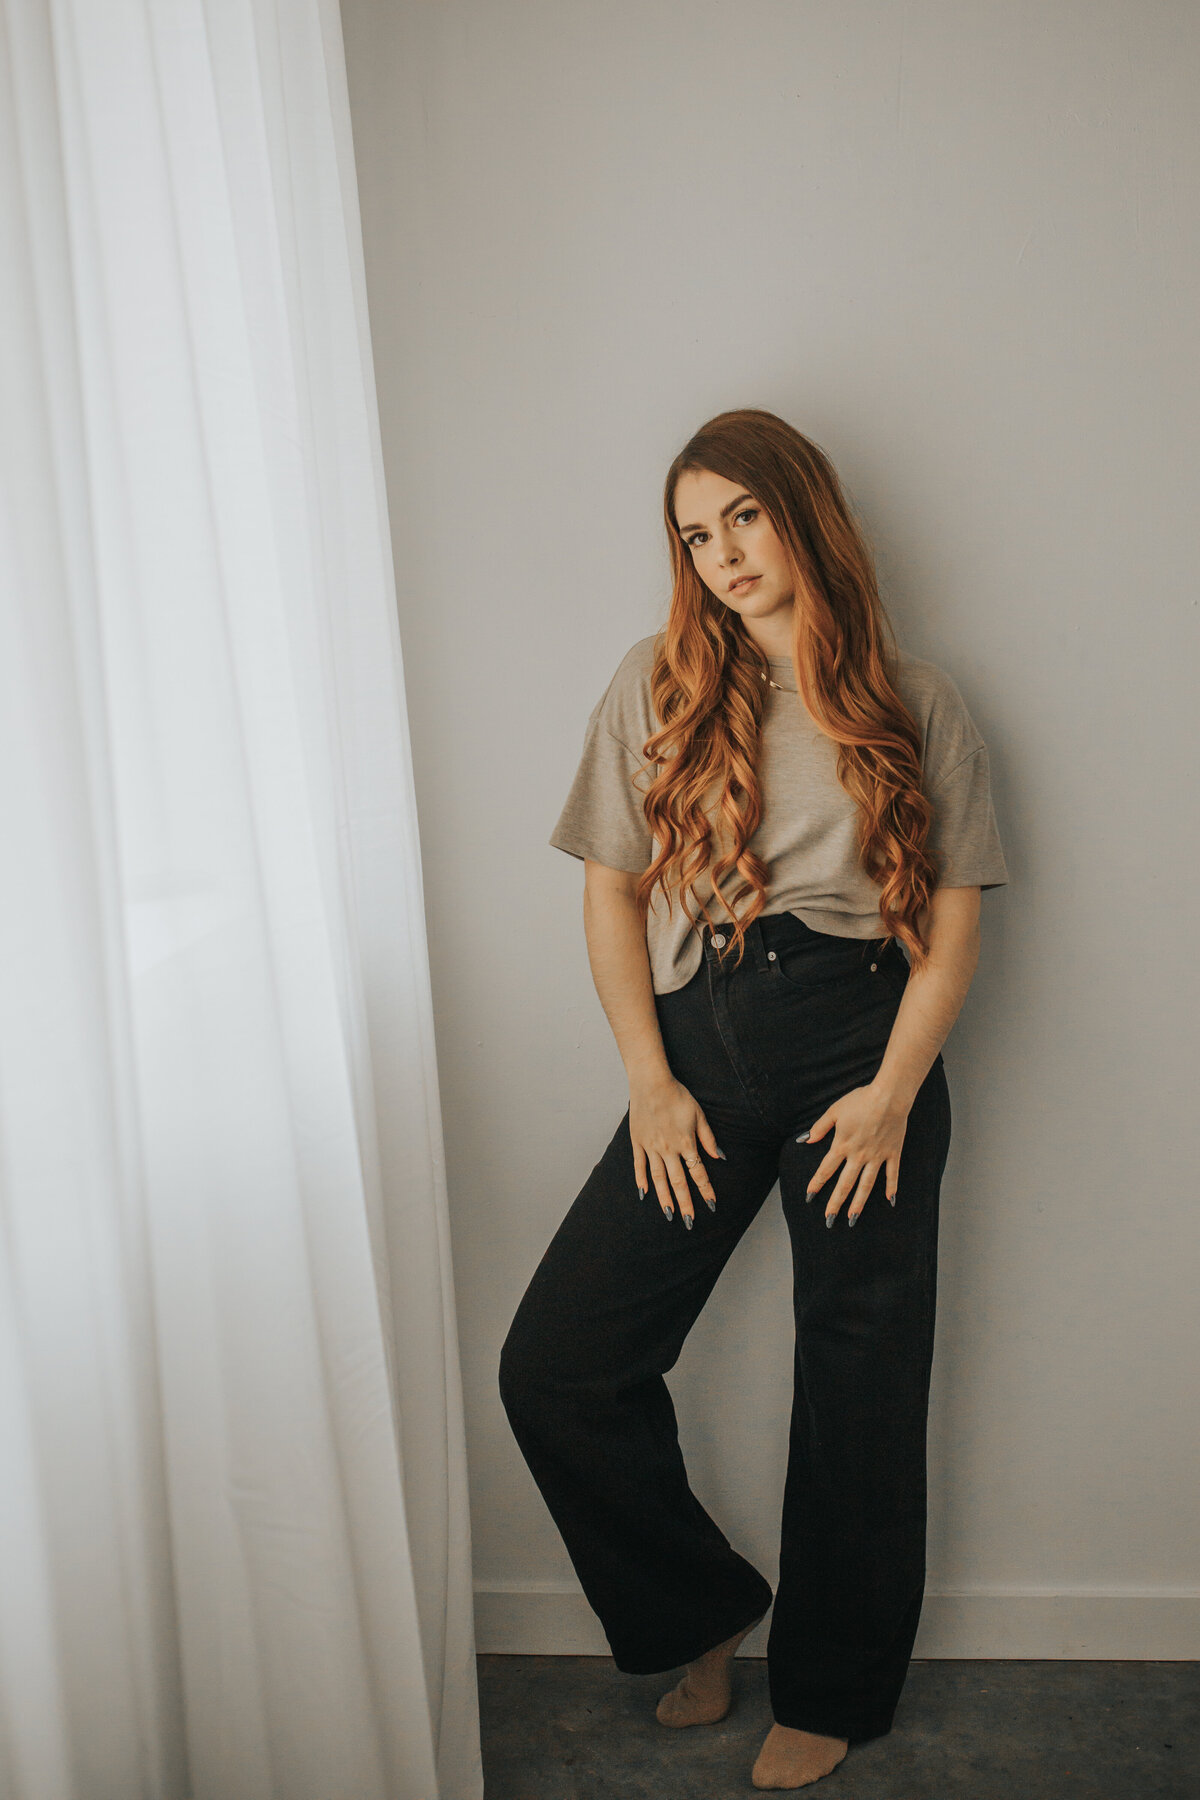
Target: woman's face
{"x":729,"y":536}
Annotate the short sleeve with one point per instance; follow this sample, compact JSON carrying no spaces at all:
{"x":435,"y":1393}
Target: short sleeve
{"x":964,"y":840}
{"x":603,"y":817}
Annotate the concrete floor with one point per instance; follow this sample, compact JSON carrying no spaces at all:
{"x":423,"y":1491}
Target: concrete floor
{"x":576,"y":1728}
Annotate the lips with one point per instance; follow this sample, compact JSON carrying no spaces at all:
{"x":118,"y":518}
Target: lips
{"x":743,"y":581}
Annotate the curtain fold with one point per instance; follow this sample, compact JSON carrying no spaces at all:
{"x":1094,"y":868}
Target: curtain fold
{"x":234,"y":1539}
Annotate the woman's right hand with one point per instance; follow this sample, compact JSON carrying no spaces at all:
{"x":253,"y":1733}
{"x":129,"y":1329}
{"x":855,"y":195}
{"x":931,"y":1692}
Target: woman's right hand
{"x":668,"y":1128}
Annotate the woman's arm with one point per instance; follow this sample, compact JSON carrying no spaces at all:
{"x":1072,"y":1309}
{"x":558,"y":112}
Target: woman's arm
{"x":620,"y":961}
{"x":667,"y":1126}
{"x":933,"y":999}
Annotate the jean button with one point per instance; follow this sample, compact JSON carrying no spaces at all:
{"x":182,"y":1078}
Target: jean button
{"x":874,"y":966}
{"x":770,"y":956}
{"x":719,"y":940}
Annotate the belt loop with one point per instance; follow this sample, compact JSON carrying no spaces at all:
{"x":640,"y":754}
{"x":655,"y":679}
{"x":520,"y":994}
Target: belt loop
{"x":756,"y":942}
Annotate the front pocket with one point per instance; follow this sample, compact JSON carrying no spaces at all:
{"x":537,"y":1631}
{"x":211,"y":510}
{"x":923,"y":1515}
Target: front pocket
{"x":895,"y":972}
{"x":813,"y":968}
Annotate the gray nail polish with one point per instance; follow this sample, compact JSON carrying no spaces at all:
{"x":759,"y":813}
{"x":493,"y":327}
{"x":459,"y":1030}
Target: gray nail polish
{"x":642,"y":1192}
{"x":803,"y":1138}
{"x":687,"y":1219}
{"x":711,"y":1204}
{"x":829,"y":1218}
{"x":722,"y":1156}
{"x":669,"y":1212}
{"x":852,"y":1219}
{"x":891,"y":1199}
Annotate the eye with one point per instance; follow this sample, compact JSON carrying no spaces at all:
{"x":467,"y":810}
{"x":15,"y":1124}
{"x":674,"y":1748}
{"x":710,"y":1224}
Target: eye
{"x":747,"y":512}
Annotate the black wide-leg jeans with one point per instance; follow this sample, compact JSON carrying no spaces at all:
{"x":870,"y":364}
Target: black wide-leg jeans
{"x":764,"y":1047}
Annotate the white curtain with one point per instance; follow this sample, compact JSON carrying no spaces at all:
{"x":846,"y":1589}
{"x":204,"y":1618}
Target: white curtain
{"x":234,"y":1542}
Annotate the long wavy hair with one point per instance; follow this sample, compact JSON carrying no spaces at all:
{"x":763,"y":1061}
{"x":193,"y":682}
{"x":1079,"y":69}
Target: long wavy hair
{"x":708,"y":691}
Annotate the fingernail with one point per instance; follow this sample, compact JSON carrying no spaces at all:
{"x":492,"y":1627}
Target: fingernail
{"x":687,"y":1219}
{"x":809,"y":1195}
{"x":722,"y":1156}
{"x":891,"y":1199}
{"x":711,"y":1204}
{"x":852,"y":1218}
{"x":829,"y":1218}
{"x":803,"y":1138}
{"x":642,"y":1192}
{"x":669,"y":1211}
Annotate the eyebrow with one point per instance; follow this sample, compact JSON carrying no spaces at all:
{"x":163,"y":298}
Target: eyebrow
{"x":724,"y":513}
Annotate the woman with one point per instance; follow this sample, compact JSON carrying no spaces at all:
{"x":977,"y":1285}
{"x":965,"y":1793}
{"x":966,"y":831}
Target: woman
{"x":772,"y":799}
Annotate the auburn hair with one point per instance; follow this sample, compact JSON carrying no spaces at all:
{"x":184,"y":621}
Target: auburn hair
{"x":708,"y":690}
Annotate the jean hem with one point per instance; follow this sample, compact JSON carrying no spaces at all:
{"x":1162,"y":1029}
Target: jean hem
{"x":854,"y":1733}
{"x":639,"y":1667}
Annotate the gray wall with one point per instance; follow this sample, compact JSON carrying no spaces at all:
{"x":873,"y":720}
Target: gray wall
{"x":957,"y":245}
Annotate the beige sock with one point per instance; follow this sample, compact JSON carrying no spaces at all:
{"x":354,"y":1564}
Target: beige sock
{"x":705,"y":1693}
{"x":791,"y":1758}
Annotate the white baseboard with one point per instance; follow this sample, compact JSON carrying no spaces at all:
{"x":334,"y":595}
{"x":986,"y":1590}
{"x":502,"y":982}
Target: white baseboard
{"x":1143,"y":1625}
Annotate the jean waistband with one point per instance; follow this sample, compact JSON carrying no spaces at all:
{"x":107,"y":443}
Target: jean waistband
{"x":772,"y":931}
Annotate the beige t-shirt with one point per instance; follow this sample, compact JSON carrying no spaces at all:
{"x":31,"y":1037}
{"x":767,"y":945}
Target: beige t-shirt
{"x":807,"y":835}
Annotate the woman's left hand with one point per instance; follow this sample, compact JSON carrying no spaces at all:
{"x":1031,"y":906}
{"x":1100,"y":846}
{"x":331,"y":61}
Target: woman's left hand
{"x":869,"y":1130}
